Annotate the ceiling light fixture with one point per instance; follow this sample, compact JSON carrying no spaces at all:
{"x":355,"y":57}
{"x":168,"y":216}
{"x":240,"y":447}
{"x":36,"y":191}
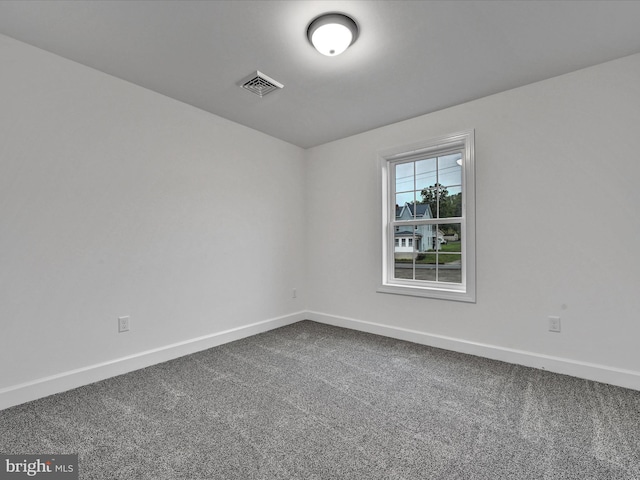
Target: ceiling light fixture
{"x":332,"y":33}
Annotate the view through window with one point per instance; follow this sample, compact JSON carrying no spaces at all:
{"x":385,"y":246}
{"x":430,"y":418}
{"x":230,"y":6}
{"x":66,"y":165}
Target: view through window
{"x":428,"y":219}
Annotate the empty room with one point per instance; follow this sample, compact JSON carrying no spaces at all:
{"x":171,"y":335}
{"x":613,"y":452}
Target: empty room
{"x":319,"y":240}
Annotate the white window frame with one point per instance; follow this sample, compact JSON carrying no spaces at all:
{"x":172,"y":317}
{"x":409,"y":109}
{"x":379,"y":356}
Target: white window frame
{"x":466,"y":290}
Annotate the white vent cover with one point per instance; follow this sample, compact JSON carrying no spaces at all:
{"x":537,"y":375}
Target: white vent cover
{"x":260,"y":84}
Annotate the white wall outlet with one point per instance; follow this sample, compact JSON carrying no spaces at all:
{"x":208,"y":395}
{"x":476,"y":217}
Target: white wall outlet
{"x":294,"y":294}
{"x":554,"y":324}
{"x":123,"y":324}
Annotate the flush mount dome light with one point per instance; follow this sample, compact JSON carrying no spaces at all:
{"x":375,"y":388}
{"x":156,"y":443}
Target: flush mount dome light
{"x":332,"y":33}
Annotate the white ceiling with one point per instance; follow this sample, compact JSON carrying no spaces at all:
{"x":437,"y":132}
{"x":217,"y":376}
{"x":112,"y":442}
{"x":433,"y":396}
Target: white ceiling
{"x":412,"y":57}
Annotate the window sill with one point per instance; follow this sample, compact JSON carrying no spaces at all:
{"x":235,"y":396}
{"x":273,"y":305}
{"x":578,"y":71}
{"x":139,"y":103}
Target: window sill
{"x":438,"y":293}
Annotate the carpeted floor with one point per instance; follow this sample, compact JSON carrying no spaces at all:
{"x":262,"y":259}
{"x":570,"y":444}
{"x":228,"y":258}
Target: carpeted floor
{"x":311,"y":401}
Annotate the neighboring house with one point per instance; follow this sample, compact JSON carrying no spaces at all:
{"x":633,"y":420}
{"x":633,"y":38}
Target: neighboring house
{"x":423,"y":238}
{"x":405,"y":241}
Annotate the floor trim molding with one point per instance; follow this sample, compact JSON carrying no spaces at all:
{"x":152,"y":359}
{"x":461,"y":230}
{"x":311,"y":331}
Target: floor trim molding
{"x":42,"y":387}
{"x":589,"y":371}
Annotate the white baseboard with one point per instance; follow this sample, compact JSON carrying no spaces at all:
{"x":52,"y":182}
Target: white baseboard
{"x":585,"y":370}
{"x":42,"y":387}
{"x":25,"y":392}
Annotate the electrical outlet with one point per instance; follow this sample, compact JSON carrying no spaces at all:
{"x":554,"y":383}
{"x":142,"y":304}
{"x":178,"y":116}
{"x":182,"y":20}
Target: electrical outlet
{"x":554,"y":324}
{"x":123,"y":324}
{"x":294,"y":294}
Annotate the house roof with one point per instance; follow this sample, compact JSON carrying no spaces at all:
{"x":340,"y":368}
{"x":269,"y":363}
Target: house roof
{"x":406,"y":233}
{"x":420,"y":210}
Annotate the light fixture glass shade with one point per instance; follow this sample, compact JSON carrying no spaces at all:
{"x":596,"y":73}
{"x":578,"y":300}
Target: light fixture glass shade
{"x":332,"y":34}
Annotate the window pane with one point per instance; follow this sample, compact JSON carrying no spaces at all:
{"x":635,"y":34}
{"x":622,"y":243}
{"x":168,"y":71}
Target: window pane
{"x":424,"y":235}
{"x":450,"y":238}
{"x":403,"y":269}
{"x":449,"y":268}
{"x":450,"y":202}
{"x":405,"y":233}
{"x":401,"y":200}
{"x":449,"y":253}
{"x":403,"y":254}
{"x":428,"y":196}
{"x":425,"y":174}
{"x":408,"y":242}
{"x":404,"y":177}
{"x":449,"y":170}
{"x":426,"y":266}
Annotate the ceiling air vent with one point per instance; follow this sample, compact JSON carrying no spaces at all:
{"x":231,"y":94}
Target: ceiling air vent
{"x":260,"y":84}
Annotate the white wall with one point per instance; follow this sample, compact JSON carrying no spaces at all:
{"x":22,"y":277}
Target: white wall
{"x":115,"y":200}
{"x":557,"y":163}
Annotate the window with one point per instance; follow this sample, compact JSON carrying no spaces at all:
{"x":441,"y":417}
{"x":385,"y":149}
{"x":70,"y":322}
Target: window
{"x":429,"y":200}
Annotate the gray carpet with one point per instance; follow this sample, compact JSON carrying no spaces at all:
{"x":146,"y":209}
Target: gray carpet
{"x":311,"y":401}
